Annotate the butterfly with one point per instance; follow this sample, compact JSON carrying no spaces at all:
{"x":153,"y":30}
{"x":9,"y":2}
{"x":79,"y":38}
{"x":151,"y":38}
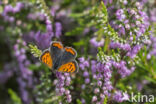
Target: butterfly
{"x":60,"y":58}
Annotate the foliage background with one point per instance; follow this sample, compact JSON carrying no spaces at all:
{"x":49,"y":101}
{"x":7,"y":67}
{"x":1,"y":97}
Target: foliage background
{"x":90,"y":27}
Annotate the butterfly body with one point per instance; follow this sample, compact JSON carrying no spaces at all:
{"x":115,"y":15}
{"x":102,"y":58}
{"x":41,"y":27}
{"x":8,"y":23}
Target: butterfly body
{"x":59,"y":58}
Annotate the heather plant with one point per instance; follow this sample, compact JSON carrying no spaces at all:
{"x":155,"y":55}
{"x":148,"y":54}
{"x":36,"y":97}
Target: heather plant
{"x":115,"y":43}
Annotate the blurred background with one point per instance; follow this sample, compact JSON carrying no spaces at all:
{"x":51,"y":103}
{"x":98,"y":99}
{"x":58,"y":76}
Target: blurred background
{"x":28,"y":26}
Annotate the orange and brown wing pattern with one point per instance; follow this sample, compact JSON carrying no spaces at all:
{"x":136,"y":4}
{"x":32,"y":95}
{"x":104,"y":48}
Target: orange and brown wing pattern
{"x":69,"y":67}
{"x":57,"y":44}
{"x":70,"y":50}
{"x":46,"y":58}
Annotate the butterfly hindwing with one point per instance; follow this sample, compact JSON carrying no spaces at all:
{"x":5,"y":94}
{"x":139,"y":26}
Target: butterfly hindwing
{"x":56,"y":51}
{"x":69,"y":67}
{"x":69,"y":55}
{"x":46,"y":58}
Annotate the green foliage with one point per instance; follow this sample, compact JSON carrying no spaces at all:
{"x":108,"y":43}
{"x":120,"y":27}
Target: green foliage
{"x":81,"y":21}
{"x":1,"y":9}
{"x":14,"y":97}
{"x":105,"y":100}
{"x":34,"y":67}
{"x":78,"y":101}
{"x":35,"y":51}
{"x":147,"y":65}
{"x":101,"y":56}
{"x":45,"y":90}
{"x":44,"y":8}
{"x":104,"y":26}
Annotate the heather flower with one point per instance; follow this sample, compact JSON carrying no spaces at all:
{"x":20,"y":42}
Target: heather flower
{"x":37,"y":37}
{"x":10,"y":9}
{"x":63,"y":81}
{"x":25,"y":78}
{"x":118,"y":96}
{"x":97,"y":43}
{"x":122,"y":68}
{"x":118,"y":30}
{"x":125,"y":97}
{"x":96,"y":90}
{"x":153,"y":15}
{"x":101,"y":74}
{"x":85,"y":74}
{"x":83,"y":63}
{"x":87,"y":80}
{"x":83,"y":101}
{"x":152,"y":45}
{"x":58,"y":29}
{"x":7,"y":72}
{"x":94,"y":99}
{"x":142,"y":25}
{"x":35,"y":16}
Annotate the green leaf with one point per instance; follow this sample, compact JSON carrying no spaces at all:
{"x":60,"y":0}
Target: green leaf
{"x":104,"y":10}
{"x":15,"y":98}
{"x":105,"y":100}
{"x":33,"y":67}
{"x":1,"y":9}
{"x":79,"y":43}
{"x":78,"y":101}
{"x":76,"y":15}
{"x":75,"y":31}
{"x":150,"y":79}
{"x":33,"y":1}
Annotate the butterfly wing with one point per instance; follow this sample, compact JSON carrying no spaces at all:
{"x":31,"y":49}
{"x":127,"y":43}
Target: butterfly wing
{"x":68,"y":55}
{"x":56,"y":51}
{"x":69,"y":67}
{"x":46,"y":58}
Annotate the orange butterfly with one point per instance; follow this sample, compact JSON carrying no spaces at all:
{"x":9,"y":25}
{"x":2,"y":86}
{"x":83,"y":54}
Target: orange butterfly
{"x":59,"y":58}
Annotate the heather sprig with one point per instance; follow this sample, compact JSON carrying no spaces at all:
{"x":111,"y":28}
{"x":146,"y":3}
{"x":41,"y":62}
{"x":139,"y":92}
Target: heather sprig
{"x":25,"y":75}
{"x":122,"y":42}
{"x":103,"y":26}
{"x":44,"y":9}
{"x":102,"y":57}
{"x":44,"y":91}
{"x":114,"y":54}
{"x":35,"y":51}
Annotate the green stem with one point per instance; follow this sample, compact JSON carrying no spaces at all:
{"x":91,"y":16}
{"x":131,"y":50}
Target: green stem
{"x":46,"y":9}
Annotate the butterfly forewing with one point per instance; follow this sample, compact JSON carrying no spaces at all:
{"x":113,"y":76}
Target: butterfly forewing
{"x":46,"y":58}
{"x":68,"y":55}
